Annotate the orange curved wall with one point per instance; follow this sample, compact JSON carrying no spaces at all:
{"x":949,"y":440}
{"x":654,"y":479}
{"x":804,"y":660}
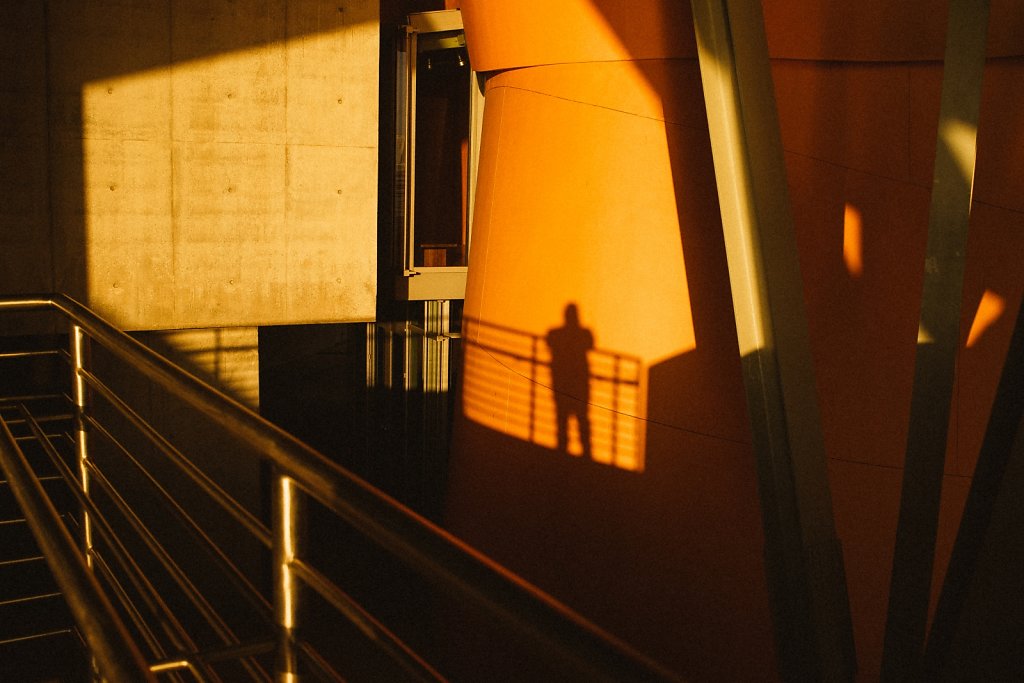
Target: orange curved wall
{"x":596,"y":192}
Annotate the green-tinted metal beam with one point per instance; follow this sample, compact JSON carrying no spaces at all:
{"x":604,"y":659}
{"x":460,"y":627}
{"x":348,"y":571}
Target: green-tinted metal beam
{"x":803,"y":558}
{"x":990,"y":496}
{"x":938,"y":339}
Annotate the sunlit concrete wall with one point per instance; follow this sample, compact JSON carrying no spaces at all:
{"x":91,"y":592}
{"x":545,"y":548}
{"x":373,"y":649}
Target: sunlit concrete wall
{"x":186,"y":163}
{"x":226,"y":357}
{"x":596,"y":190}
{"x":193,"y":164}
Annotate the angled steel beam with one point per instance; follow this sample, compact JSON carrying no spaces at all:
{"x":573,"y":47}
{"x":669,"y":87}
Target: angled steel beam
{"x":802,"y":554}
{"x":1004,"y":441}
{"x":938,"y":339}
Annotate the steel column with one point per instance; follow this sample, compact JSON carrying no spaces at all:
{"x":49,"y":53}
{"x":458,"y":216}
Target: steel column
{"x":371,"y":355}
{"x":436,"y":356}
{"x":938,"y":339}
{"x":1003,"y":443}
{"x":803,"y":558}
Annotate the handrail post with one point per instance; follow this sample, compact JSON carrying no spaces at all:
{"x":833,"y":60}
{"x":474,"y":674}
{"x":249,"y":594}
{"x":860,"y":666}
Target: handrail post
{"x":79,"y":394}
{"x":287,"y":522}
{"x":533,"y":388}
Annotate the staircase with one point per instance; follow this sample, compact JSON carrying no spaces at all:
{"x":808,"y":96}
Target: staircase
{"x":138,"y":481}
{"x":38,"y":637}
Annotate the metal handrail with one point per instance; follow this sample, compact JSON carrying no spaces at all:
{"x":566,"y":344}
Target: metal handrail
{"x":592,"y":652}
{"x":101,"y":528}
{"x":116,"y":655}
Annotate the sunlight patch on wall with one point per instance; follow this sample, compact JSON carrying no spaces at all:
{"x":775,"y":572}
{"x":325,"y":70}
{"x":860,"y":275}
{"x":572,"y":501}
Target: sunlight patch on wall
{"x":584,"y":405}
{"x":562,"y":222}
{"x":235,"y":182}
{"x":990,"y":309}
{"x":853,"y":241}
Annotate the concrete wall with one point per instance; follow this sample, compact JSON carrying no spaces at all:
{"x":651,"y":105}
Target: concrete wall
{"x":225,"y":357}
{"x":25,"y":262}
{"x":184,"y":163}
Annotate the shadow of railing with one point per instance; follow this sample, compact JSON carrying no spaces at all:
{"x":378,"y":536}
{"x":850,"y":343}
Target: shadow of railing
{"x":112,"y":567}
{"x":511,"y":384}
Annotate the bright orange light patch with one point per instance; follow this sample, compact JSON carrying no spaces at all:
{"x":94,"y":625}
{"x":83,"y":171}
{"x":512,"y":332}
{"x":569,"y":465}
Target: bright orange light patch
{"x":853,"y":241}
{"x":990,"y":309}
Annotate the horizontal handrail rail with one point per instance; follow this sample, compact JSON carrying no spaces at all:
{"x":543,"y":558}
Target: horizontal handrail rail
{"x":231,"y":506}
{"x":412,"y":538}
{"x":116,"y":655}
{"x":102,"y":525}
{"x":366,"y":623}
{"x":232,"y":570}
{"x":29,"y":598}
{"x":36,"y":636}
{"x":9,"y":355}
{"x":103,"y":529}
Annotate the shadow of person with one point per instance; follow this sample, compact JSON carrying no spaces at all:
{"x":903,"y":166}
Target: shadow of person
{"x":570,"y":377}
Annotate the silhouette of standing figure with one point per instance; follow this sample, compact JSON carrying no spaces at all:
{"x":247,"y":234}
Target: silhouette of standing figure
{"x":570,"y":375}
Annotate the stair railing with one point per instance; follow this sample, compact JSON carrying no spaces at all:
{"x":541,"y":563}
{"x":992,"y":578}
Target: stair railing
{"x":116,"y":655}
{"x":299,"y":471}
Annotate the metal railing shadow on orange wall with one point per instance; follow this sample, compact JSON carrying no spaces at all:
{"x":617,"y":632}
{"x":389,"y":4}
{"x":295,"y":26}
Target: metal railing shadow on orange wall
{"x":556,"y":390}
